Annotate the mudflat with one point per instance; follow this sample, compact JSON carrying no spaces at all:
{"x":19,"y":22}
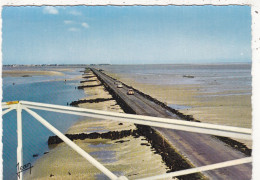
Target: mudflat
{"x":129,"y":156}
{"x":20,"y":73}
{"x":215,"y":108}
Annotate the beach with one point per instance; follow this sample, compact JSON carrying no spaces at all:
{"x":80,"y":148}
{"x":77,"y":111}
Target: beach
{"x":214,"y":109}
{"x":52,"y":89}
{"x":20,"y":73}
{"x":133,"y":156}
{"x":129,"y":156}
{"x":230,"y":106}
{"x":60,"y":73}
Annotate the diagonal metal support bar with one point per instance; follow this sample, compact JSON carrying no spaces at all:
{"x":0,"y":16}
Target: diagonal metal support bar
{"x":72,"y":145}
{"x":7,"y":110}
{"x":201,"y":169}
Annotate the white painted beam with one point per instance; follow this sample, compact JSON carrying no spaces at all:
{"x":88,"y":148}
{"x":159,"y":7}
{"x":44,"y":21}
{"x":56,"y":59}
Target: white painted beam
{"x":7,"y":110}
{"x":201,"y":169}
{"x":197,"y":127}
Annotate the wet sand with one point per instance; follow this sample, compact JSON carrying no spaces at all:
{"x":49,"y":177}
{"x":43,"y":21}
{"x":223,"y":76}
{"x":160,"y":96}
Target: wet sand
{"x":129,"y":156}
{"x":25,"y":73}
{"x":233,"y":110}
{"x":49,"y":72}
{"x":134,"y":159}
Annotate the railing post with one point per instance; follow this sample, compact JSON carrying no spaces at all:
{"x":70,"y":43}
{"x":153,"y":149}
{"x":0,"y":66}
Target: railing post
{"x":19,"y":142}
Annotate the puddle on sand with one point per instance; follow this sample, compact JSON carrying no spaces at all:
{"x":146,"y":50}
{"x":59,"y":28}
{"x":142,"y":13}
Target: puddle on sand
{"x":105,"y":156}
{"x":98,"y":129}
{"x":226,"y":94}
{"x":179,"y":107}
{"x":99,"y":145}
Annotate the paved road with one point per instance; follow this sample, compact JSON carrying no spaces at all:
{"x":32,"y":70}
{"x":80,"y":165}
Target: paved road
{"x":200,"y":149}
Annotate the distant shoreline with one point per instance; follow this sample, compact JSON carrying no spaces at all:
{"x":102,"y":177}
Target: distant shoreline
{"x":107,"y":64}
{"x":25,"y":73}
{"x":115,"y":157}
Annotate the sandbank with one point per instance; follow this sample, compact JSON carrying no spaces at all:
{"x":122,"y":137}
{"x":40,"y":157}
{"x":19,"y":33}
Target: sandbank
{"x":21,"y":73}
{"x":215,"y":108}
{"x":129,"y":158}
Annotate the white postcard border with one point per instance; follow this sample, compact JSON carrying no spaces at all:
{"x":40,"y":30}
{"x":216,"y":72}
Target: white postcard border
{"x":255,"y":45}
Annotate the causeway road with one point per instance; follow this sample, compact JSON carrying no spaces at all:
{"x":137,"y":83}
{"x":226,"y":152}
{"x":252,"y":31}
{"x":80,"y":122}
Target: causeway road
{"x":199,"y":149}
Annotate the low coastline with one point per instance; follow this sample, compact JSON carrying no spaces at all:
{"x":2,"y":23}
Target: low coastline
{"x":213,"y":109}
{"x":59,"y":73}
{"x":131,"y":155}
{"x":95,"y":92}
{"x":22,"y":73}
{"x":51,"y":89}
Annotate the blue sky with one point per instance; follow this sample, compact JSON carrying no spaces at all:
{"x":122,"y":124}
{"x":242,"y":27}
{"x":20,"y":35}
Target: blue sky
{"x":126,"y":35}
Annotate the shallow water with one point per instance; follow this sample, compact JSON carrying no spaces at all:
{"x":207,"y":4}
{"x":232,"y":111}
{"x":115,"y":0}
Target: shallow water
{"x":213,"y":78}
{"x":178,"y":107}
{"x":38,"y":89}
{"x":217,"y":93}
{"x":99,"y":145}
{"x":104,"y":156}
{"x":216,"y":80}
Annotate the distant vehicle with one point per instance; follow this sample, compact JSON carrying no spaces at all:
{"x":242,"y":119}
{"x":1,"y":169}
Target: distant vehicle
{"x":130,"y":92}
{"x":119,"y":85}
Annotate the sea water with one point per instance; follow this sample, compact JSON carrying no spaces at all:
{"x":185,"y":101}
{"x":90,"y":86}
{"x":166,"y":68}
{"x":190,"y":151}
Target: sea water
{"x":214,"y":79}
{"x":44,"y":89}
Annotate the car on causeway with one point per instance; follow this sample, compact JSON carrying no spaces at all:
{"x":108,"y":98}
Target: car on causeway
{"x":119,"y":85}
{"x":130,"y":92}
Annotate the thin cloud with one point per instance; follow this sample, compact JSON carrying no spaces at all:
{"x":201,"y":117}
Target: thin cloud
{"x":73,"y":29}
{"x":68,"y":22}
{"x":75,"y":13}
{"x":85,"y":25}
{"x":50,"y":10}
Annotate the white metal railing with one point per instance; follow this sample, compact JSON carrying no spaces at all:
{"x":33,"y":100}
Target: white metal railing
{"x":204,"y":128}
